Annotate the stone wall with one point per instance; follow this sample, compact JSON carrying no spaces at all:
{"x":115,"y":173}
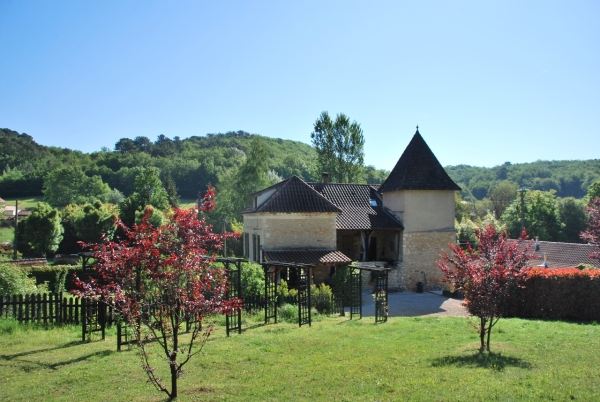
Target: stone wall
{"x":421,"y":250}
{"x":293,"y":231}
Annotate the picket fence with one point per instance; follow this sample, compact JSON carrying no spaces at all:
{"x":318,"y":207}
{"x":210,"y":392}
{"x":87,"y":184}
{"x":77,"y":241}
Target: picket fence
{"x":48,"y":308}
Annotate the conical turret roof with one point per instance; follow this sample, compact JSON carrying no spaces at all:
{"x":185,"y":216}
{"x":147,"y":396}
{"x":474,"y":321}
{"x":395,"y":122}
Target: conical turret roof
{"x":418,"y":169}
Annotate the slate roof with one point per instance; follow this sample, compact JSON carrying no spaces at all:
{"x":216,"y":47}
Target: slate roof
{"x":354,"y":200}
{"x":418,"y":169}
{"x":295,"y":196}
{"x":563,"y":255}
{"x":351,"y":201}
{"x":307,"y":256}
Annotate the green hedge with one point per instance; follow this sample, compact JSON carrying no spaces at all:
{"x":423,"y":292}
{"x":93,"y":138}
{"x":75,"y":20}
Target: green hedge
{"x":557,"y":294}
{"x":54,"y":275}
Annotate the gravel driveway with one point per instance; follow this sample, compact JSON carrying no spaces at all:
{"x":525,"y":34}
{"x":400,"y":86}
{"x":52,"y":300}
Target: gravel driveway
{"x":409,"y":304}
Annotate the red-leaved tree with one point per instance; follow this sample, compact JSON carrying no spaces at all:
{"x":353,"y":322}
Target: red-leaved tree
{"x":592,"y":234}
{"x":485,"y":275}
{"x":159,"y":279}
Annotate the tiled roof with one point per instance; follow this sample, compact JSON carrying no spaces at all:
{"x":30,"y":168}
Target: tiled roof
{"x":295,"y":196}
{"x":325,"y":257}
{"x":563,"y":255}
{"x":418,"y":169}
{"x":355,"y":202}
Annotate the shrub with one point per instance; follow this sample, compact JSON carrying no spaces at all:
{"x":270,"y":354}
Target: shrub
{"x":14,"y":280}
{"x":58,"y":277}
{"x":288,"y":313}
{"x":321,"y":298}
{"x":253,"y":280}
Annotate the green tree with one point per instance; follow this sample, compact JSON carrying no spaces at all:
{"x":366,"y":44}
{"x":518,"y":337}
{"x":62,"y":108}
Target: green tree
{"x":149,"y":190}
{"x":95,"y":221}
{"x":236,"y":184}
{"x":42,"y":231}
{"x":69,"y":184}
{"x":502,"y":195}
{"x":171,"y":189}
{"x":340,"y":148}
{"x":149,"y":187}
{"x":593,"y":191}
{"x":573,"y":219}
{"x":541,"y":216}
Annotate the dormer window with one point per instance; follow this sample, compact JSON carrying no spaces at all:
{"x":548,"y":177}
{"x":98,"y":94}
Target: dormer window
{"x":373,"y":202}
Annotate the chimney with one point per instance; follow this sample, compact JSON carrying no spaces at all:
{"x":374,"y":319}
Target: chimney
{"x":325,"y":177}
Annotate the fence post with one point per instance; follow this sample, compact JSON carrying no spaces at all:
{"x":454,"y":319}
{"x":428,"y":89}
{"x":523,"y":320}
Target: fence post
{"x":45,"y":312}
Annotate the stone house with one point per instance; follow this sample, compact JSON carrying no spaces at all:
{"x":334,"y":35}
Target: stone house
{"x":404,"y":222}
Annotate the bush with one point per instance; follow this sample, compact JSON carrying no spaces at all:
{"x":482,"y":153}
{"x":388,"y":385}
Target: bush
{"x":288,"y":313}
{"x":14,"y":280}
{"x":321,"y":298}
{"x":557,"y":294}
{"x":253,"y":280}
{"x":58,"y":277}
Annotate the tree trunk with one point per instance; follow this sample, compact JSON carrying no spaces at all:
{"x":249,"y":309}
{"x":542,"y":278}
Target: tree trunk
{"x":489,"y":332}
{"x":482,"y":334}
{"x":173,"y":394}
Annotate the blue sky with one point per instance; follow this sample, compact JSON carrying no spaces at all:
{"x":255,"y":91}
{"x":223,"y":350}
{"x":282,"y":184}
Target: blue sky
{"x":486,"y":81}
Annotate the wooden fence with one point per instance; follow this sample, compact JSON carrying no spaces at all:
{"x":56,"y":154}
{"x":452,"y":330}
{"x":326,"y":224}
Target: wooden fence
{"x":48,"y":308}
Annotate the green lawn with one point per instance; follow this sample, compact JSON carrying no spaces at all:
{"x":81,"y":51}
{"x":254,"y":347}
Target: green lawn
{"x":7,"y":234}
{"x":336,"y":359}
{"x":25,"y":203}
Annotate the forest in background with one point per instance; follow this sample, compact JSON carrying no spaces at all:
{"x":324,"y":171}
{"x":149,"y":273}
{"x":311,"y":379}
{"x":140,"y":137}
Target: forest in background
{"x":195,"y":162}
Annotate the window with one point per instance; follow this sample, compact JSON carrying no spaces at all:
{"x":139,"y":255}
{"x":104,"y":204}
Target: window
{"x":247,"y":245}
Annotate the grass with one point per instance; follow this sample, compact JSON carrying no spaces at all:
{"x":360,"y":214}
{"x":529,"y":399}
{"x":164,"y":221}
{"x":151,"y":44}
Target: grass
{"x":187,"y":203}
{"x":7,"y":234}
{"x":335,"y":359}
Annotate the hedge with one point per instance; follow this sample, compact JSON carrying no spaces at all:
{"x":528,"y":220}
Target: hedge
{"x":558,"y":294}
{"x":53,"y":274}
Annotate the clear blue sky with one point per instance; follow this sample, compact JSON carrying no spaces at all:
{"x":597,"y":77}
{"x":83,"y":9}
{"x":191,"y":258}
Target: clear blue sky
{"x":486,"y":81}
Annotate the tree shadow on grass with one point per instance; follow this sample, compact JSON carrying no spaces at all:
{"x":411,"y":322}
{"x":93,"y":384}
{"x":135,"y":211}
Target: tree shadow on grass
{"x":28,"y":365}
{"x":493,"y":361}
{"x":31,"y":352}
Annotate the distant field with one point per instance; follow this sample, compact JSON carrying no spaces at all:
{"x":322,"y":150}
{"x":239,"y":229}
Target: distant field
{"x":26,"y":203}
{"x":7,"y":235}
{"x":187,"y":203}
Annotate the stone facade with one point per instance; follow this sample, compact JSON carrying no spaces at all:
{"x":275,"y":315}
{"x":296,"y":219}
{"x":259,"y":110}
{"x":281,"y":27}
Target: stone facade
{"x":292,"y":231}
{"x":421,"y":250}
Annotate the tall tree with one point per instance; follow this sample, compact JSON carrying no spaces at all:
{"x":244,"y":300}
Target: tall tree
{"x":593,"y":191}
{"x":160,"y":278}
{"x":42,"y":231}
{"x":541,"y":216}
{"x":236,"y":184}
{"x":572,"y":218}
{"x":340,"y":148}
{"x":502,"y":195}
{"x":485,"y":275}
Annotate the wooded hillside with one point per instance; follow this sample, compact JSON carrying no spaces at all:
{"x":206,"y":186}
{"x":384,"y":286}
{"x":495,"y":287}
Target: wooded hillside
{"x":567,"y":178}
{"x":195,"y":162}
